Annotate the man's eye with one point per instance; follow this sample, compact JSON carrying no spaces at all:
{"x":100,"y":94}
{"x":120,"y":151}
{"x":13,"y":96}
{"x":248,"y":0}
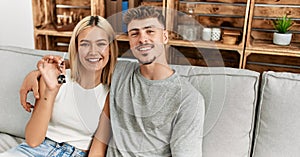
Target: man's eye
{"x":150,"y":31}
{"x":133,"y":34}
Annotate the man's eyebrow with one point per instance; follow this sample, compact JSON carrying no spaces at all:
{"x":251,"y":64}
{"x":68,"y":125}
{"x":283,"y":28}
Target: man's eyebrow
{"x":146,"y":27}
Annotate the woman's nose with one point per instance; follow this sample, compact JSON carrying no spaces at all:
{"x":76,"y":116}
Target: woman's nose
{"x":94,"y":48}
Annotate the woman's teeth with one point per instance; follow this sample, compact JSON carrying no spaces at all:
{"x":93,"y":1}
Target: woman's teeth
{"x":94,"y":59}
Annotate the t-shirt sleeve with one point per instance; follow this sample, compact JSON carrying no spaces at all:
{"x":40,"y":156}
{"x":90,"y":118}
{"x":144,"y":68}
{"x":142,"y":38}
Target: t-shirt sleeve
{"x":187,"y":135}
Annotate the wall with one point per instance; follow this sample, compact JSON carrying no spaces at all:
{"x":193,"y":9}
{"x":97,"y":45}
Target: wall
{"x":16,"y":28}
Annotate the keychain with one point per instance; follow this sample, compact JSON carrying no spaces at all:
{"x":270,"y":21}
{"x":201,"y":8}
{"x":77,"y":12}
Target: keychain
{"x":61,"y":77}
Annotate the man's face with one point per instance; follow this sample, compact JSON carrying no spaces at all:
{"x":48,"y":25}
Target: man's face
{"x":147,"y":38}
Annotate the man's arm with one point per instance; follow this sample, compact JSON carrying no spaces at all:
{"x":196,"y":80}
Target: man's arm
{"x":30,"y":83}
{"x":187,"y":134}
{"x":103,"y":133}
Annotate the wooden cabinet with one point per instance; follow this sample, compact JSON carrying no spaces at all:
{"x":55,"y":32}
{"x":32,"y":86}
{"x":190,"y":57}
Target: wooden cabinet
{"x":260,"y":53}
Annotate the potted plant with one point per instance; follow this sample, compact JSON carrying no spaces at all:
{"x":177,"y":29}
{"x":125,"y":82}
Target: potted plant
{"x":282,"y":36}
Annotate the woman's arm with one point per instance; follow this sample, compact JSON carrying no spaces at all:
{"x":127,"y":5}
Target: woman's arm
{"x":103,"y":133}
{"x":38,"y":124}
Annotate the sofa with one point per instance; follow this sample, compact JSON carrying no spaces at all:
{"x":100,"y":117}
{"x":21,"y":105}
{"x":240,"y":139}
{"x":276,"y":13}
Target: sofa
{"x":248,"y":114}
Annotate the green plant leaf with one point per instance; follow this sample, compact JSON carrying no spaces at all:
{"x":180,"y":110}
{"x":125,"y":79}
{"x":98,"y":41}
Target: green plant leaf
{"x":283,"y":24}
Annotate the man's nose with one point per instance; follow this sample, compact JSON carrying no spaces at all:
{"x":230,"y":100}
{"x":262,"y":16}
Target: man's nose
{"x":144,"y":38}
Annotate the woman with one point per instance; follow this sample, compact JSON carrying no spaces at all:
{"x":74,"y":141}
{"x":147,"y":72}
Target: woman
{"x":65,"y":117}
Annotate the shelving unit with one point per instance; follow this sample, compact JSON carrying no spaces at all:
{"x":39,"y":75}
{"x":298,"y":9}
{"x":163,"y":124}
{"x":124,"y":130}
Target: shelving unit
{"x":45,"y":35}
{"x":260,"y":32}
{"x":252,"y":18}
{"x":223,"y":14}
{"x":48,"y":38}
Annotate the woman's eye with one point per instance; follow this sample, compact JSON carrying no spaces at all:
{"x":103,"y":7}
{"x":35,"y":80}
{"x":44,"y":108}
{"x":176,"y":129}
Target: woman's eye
{"x":84,"y":44}
{"x":101,"y":44}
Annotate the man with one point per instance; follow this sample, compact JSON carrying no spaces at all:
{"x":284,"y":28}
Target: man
{"x":153,"y":111}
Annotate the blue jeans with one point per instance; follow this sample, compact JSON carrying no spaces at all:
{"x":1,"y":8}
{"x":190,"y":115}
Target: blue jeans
{"x":48,"y":148}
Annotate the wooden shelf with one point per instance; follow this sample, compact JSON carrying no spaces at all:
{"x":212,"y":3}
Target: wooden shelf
{"x":51,"y":31}
{"x":260,"y":52}
{"x":267,"y":45}
{"x":205,"y":44}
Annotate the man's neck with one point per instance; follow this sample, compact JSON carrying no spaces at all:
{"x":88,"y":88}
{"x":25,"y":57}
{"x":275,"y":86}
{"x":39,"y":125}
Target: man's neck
{"x":156,"y":71}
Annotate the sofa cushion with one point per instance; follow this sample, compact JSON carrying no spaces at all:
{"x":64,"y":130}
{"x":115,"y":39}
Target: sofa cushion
{"x":230,"y":101}
{"x":278,"y":126}
{"x":8,"y":141}
{"x":16,"y":63}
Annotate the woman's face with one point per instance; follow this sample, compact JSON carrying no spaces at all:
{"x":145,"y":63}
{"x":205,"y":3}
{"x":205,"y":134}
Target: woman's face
{"x":93,"y":49}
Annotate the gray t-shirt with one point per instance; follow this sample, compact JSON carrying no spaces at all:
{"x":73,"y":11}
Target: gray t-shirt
{"x":154,"y":117}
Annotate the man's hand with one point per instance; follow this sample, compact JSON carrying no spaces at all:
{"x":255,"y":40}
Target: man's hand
{"x":30,"y":83}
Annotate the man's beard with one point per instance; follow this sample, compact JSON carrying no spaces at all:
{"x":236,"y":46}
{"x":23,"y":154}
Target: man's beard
{"x":148,"y":62}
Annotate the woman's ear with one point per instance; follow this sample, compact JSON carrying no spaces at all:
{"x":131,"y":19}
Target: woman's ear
{"x":165,"y":36}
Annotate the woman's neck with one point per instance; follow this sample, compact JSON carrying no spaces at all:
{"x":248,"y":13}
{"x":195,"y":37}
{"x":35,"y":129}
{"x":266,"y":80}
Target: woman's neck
{"x":89,"y":80}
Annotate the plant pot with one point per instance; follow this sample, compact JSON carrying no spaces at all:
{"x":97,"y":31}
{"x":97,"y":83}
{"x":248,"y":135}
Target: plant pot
{"x":282,"y":38}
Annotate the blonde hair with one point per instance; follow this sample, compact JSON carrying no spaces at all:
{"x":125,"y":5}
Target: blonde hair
{"x":87,"y":22}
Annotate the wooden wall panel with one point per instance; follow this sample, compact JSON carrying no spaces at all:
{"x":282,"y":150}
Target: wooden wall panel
{"x":277,"y":2}
{"x":74,"y":3}
{"x":274,"y":11}
{"x":261,"y":68}
{"x":262,"y":62}
{"x":41,"y":11}
{"x":204,"y":57}
{"x":218,"y":1}
{"x":218,"y":9}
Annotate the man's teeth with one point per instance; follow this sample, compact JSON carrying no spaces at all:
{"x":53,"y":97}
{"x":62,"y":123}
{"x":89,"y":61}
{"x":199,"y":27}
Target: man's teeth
{"x":144,"y":48}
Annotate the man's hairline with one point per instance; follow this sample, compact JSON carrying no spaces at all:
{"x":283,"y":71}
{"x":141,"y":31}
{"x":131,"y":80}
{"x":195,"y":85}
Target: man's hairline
{"x":162,"y":25}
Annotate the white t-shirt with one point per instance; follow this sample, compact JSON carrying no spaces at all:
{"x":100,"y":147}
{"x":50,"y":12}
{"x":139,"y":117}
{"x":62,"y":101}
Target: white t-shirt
{"x":76,"y":113}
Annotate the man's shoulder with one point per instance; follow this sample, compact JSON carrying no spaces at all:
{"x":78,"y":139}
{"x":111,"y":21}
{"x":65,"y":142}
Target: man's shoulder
{"x":188,"y":89}
{"x":125,"y":65}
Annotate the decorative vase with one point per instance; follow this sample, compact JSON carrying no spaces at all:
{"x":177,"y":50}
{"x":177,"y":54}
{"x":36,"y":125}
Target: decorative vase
{"x":206,"y":34}
{"x":215,"y":34}
{"x":282,"y":38}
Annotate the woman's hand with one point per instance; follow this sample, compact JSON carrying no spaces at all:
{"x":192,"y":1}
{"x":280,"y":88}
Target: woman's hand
{"x":50,"y":70}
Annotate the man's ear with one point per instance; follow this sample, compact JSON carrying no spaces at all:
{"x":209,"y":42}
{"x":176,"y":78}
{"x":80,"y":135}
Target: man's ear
{"x":165,"y":36}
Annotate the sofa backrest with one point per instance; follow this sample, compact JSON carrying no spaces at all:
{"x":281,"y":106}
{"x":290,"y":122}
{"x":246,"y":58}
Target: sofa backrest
{"x":278,"y":127}
{"x":230,"y":102}
{"x":16,"y":63}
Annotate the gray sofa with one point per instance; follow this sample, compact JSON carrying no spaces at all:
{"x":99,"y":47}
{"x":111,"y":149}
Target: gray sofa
{"x":242,"y":120}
